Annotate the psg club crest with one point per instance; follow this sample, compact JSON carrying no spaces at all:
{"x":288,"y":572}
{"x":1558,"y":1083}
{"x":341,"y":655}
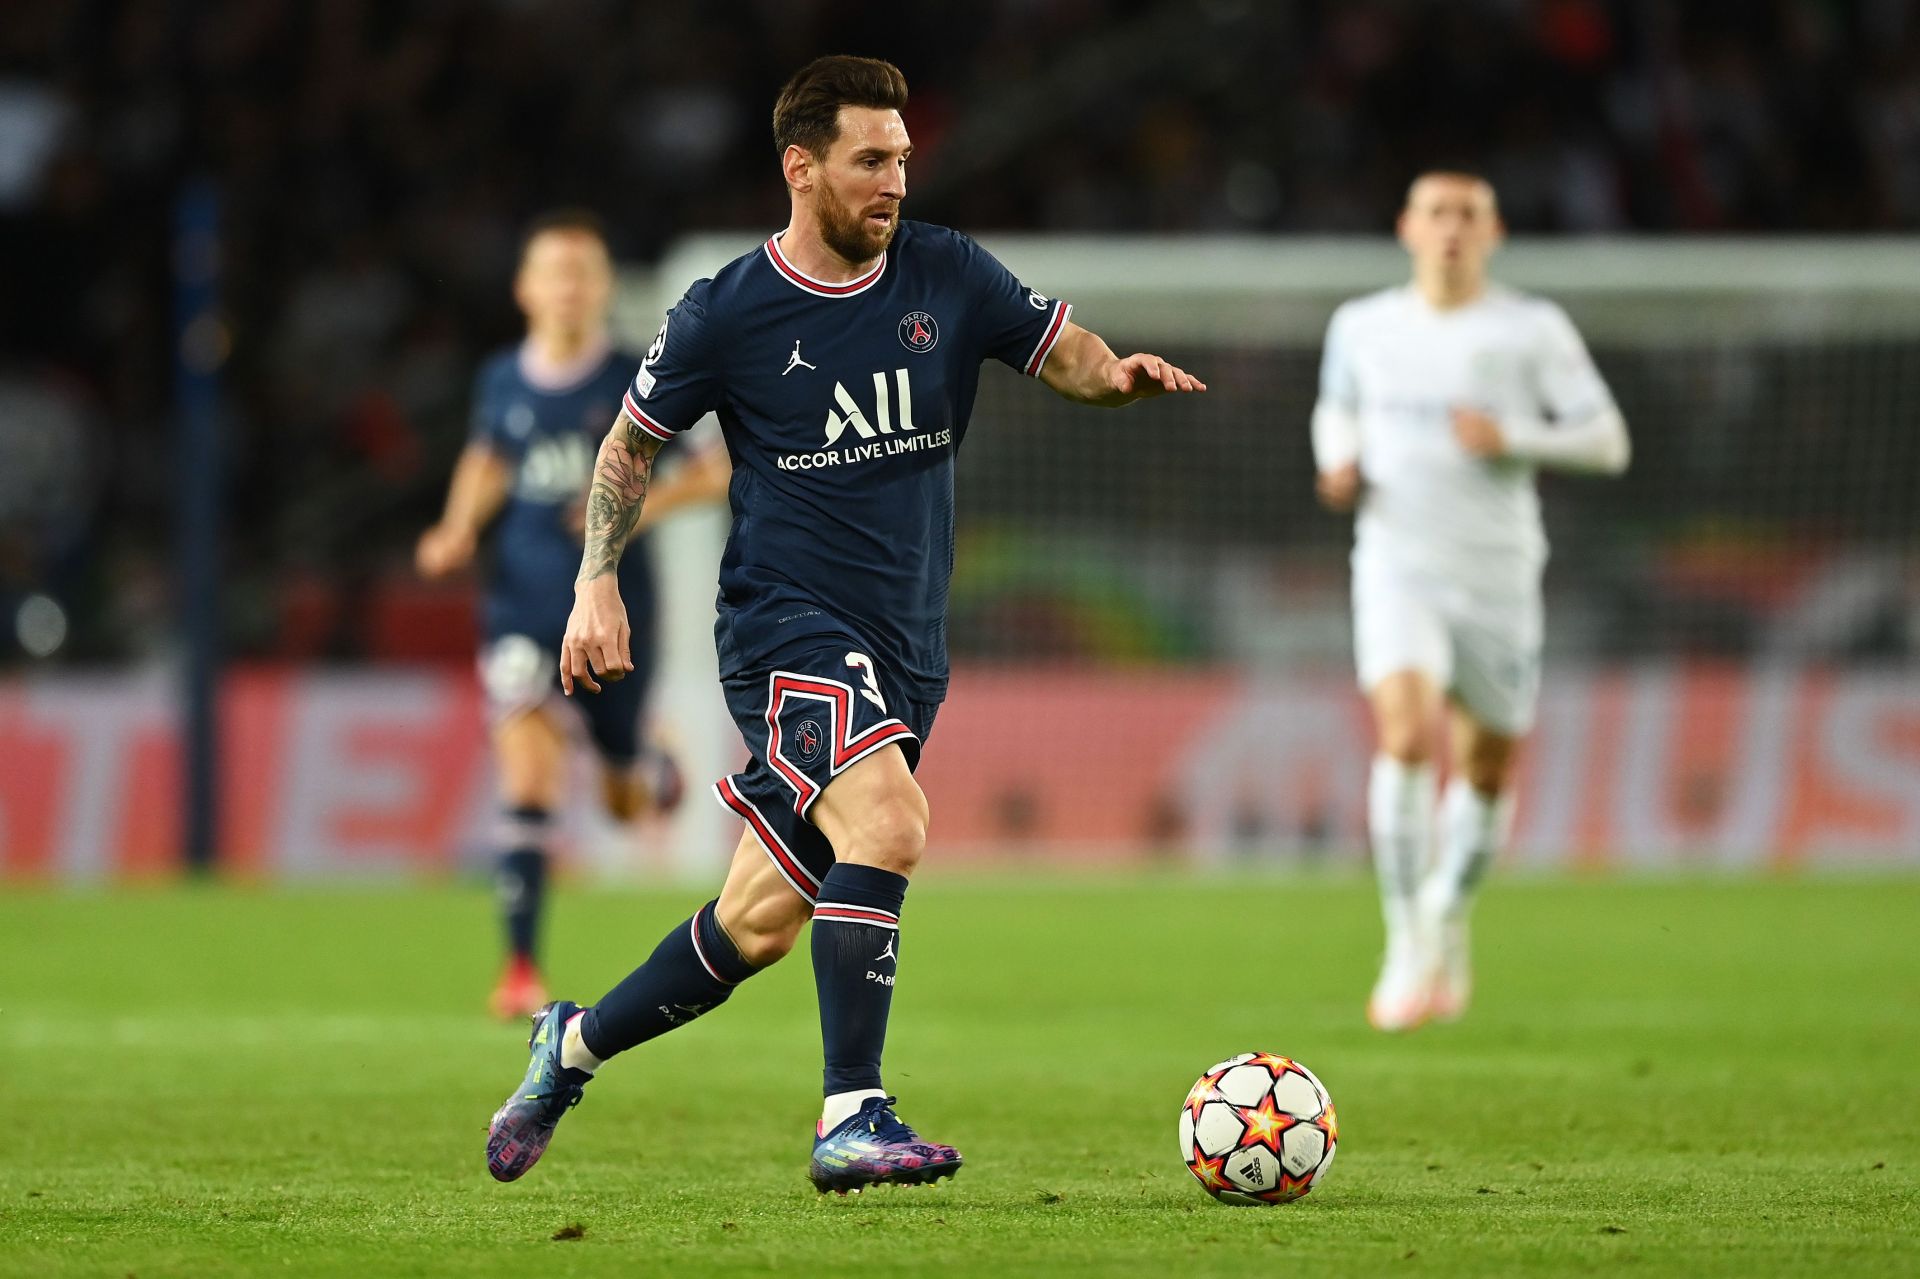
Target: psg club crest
{"x":807,"y":740}
{"x":918,"y":332}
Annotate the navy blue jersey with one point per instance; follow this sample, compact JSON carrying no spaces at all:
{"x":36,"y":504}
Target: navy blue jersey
{"x":843,"y":407}
{"x":549,"y":436}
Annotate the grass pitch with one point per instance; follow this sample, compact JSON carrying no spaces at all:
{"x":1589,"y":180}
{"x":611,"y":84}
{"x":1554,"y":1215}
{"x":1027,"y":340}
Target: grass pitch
{"x":1679,"y":1077}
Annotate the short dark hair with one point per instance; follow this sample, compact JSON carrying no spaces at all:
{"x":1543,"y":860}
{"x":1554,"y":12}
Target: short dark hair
{"x":580,"y":221}
{"x":807,"y":112}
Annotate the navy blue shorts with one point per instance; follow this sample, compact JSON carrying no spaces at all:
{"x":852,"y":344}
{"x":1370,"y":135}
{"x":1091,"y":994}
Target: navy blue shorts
{"x":805,"y":724}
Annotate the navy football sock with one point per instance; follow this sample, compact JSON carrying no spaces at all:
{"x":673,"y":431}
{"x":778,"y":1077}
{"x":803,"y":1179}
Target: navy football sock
{"x":522,"y":879}
{"x":856,"y":935}
{"x":692,"y":971}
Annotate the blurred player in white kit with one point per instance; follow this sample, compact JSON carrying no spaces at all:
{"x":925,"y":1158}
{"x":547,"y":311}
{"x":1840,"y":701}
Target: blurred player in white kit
{"x":1438,"y":401}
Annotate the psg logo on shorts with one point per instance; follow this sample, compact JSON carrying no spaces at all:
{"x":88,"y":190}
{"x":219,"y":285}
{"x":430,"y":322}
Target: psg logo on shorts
{"x":918,"y":332}
{"x":807,"y":740}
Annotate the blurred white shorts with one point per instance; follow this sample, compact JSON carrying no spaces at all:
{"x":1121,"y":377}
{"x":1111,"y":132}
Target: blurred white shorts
{"x":518,"y":675}
{"x":1482,"y":648}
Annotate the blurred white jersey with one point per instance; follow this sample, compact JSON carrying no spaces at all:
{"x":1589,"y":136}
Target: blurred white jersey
{"x":1395,"y":368}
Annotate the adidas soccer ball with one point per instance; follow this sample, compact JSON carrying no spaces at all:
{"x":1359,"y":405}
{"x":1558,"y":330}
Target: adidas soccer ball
{"x":1258,"y":1129}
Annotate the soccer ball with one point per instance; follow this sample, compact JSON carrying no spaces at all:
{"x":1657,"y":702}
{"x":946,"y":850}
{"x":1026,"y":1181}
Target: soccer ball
{"x":1258,"y":1129}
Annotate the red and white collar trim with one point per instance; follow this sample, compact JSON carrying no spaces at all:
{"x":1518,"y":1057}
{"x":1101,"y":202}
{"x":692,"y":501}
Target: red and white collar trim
{"x":822,"y":288}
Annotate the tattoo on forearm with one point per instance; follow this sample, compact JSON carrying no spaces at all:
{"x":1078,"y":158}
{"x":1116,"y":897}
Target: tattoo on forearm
{"x":620,"y":477}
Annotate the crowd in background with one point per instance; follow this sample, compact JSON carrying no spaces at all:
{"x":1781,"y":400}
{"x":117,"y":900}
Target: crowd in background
{"x":375,"y":159}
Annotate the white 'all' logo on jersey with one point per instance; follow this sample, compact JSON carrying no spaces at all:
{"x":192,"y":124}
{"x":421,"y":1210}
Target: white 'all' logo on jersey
{"x":849,"y":413}
{"x":556,"y":469}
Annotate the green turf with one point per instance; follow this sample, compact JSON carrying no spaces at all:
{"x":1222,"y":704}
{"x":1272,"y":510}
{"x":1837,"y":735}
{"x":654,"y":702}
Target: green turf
{"x":1687,"y":1078}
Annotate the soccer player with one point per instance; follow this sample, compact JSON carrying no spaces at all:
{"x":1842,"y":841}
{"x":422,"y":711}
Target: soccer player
{"x":1438,"y":401}
{"x":842,"y":356}
{"x":538,"y":411}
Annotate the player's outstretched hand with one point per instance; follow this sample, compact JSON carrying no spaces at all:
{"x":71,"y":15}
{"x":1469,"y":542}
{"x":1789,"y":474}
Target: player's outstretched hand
{"x":443,"y":550}
{"x":598,"y":641}
{"x":1339,"y":488}
{"x":1140,"y":376}
{"x":1478,"y":434}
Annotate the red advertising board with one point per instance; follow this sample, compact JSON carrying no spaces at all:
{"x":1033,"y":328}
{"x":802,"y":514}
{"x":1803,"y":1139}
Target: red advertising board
{"x":364,"y":772}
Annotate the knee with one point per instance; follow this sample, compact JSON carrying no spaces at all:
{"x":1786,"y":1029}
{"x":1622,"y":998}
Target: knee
{"x":891,"y":834}
{"x":1404,"y":711}
{"x":1405,"y":741}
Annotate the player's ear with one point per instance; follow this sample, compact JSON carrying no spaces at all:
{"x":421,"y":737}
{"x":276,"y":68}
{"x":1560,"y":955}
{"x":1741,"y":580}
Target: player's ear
{"x":797,"y":166}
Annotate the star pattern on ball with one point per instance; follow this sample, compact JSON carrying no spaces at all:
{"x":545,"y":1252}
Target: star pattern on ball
{"x":1291,"y":1188}
{"x":1264,"y":1124}
{"x":1212,"y":1173}
{"x":1203,"y":1092}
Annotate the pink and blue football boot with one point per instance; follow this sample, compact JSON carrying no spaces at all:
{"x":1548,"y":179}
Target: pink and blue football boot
{"x":524,"y":1124}
{"x":873,"y":1148}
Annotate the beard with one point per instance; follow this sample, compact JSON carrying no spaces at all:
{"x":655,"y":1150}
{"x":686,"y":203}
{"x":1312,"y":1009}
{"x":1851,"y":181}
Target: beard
{"x":848,"y":233}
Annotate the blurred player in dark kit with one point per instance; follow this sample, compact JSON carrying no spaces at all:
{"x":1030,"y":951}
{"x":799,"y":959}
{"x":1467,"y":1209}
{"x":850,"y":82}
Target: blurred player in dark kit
{"x":538,"y":409}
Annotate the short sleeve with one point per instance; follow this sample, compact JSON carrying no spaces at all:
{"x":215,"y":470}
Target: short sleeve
{"x":1019,"y":325}
{"x":678,"y":381}
{"x":1571,"y":388}
{"x":1339,"y":385}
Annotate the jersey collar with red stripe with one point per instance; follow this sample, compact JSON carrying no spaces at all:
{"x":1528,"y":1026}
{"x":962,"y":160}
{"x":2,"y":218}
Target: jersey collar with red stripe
{"x":822,"y":288}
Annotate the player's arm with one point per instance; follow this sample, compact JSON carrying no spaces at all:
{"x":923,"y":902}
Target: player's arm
{"x":702,"y":479}
{"x":597,"y":639}
{"x":1085,"y":370}
{"x":1597,"y":444}
{"x":1336,"y":425}
{"x":481,"y":481}
{"x":1586,"y":432}
{"x":1336,"y":457}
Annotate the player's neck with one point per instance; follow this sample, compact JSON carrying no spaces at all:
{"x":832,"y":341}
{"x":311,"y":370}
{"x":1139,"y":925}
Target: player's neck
{"x":1444,"y":291}
{"x":561,"y":357}
{"x":805,"y":251}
